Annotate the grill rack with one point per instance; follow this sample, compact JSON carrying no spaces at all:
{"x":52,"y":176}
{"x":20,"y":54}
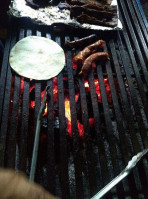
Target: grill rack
{"x":98,"y":163}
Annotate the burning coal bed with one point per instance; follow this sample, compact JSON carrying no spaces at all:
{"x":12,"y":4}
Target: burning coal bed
{"x":41,"y":168}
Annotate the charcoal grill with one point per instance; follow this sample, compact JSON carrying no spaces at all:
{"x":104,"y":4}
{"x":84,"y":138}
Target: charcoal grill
{"x":74,"y":166}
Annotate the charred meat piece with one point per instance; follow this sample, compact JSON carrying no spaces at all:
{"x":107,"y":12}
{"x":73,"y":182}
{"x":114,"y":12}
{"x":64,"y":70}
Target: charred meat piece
{"x":105,"y":1}
{"x":84,"y":18}
{"x":83,"y":2}
{"x":99,"y":56}
{"x":80,"y":57}
{"x":94,"y":5}
{"x":80,"y":42}
{"x":78,"y":2}
{"x":98,"y":14}
{"x":98,"y":7}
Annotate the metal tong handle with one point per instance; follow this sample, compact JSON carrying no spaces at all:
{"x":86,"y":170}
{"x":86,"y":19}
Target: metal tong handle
{"x":131,"y":164}
{"x":37,"y":138}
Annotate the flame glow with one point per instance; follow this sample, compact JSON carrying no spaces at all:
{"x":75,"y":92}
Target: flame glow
{"x":68,"y":116}
{"x":97,"y":87}
{"x":67,"y":101}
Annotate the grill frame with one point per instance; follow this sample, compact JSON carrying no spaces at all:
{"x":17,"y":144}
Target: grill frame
{"x":113,"y":151}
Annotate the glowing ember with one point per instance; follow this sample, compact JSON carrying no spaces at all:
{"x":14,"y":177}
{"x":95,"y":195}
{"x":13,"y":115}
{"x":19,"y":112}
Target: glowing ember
{"x":77,"y":97}
{"x":55,"y":89}
{"x":32,"y":104}
{"x":91,"y":121}
{"x":80,"y":129}
{"x":31,"y":88}
{"x":68,"y":115}
{"x":97,"y":87}
{"x":67,"y":101}
{"x":22,"y":85}
{"x":45,"y":110}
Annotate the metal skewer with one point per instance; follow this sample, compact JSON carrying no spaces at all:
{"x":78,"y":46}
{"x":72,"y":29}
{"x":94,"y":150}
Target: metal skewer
{"x":37,"y":137}
{"x":131,"y":164}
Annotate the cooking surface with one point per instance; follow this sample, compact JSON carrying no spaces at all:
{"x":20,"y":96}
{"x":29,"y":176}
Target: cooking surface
{"x":92,"y":127}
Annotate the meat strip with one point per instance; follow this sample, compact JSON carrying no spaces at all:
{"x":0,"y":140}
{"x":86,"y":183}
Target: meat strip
{"x":84,"y":18}
{"x":98,"y":14}
{"x":81,"y":42}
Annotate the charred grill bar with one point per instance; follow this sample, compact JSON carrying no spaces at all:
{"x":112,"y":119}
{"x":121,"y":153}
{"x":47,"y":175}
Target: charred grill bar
{"x":115,"y":128}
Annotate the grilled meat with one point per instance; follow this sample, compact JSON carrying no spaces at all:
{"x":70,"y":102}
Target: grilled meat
{"x":84,"y":18}
{"x":99,"y":56}
{"x":80,"y":57}
{"x":98,"y":14}
{"x":82,"y":2}
{"x":80,"y":42}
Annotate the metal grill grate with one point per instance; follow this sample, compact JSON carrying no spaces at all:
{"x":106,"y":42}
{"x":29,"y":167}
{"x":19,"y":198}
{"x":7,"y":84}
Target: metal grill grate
{"x":75,"y":167}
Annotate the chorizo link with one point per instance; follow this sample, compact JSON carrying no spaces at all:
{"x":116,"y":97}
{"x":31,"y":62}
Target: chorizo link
{"x":99,"y":56}
{"x":79,"y":58}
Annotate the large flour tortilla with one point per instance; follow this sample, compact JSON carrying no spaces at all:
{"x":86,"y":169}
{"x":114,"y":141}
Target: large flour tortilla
{"x":37,"y":58}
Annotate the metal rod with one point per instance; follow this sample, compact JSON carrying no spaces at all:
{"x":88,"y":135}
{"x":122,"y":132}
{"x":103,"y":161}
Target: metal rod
{"x":37,"y":138}
{"x":131,"y":164}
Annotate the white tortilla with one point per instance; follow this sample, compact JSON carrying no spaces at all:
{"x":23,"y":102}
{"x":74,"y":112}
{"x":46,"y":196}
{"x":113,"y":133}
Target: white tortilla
{"x":37,"y":58}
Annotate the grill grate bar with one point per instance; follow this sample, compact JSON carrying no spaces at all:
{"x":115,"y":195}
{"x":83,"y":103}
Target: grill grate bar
{"x":135,"y":103}
{"x":50,"y":139}
{"x":124,"y":142}
{"x":76,"y":150}
{"x":142,"y":14}
{"x":136,"y":25}
{"x":11,"y":150}
{"x":100,"y":138}
{"x":4,"y":70}
{"x":112,"y":140}
{"x":134,"y":139}
{"x":141,"y":22}
{"x":90,"y":155}
{"x":24,"y":127}
{"x":134,"y":40}
{"x":126,"y":106}
{"x":133,"y":94}
{"x":64,"y":178}
{"x":5,"y":113}
{"x":137,"y":74}
{"x":24,"y":122}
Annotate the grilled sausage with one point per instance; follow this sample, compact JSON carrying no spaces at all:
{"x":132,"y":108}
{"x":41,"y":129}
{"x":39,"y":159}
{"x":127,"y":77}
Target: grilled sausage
{"x":99,"y":56}
{"x":80,"y":57}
